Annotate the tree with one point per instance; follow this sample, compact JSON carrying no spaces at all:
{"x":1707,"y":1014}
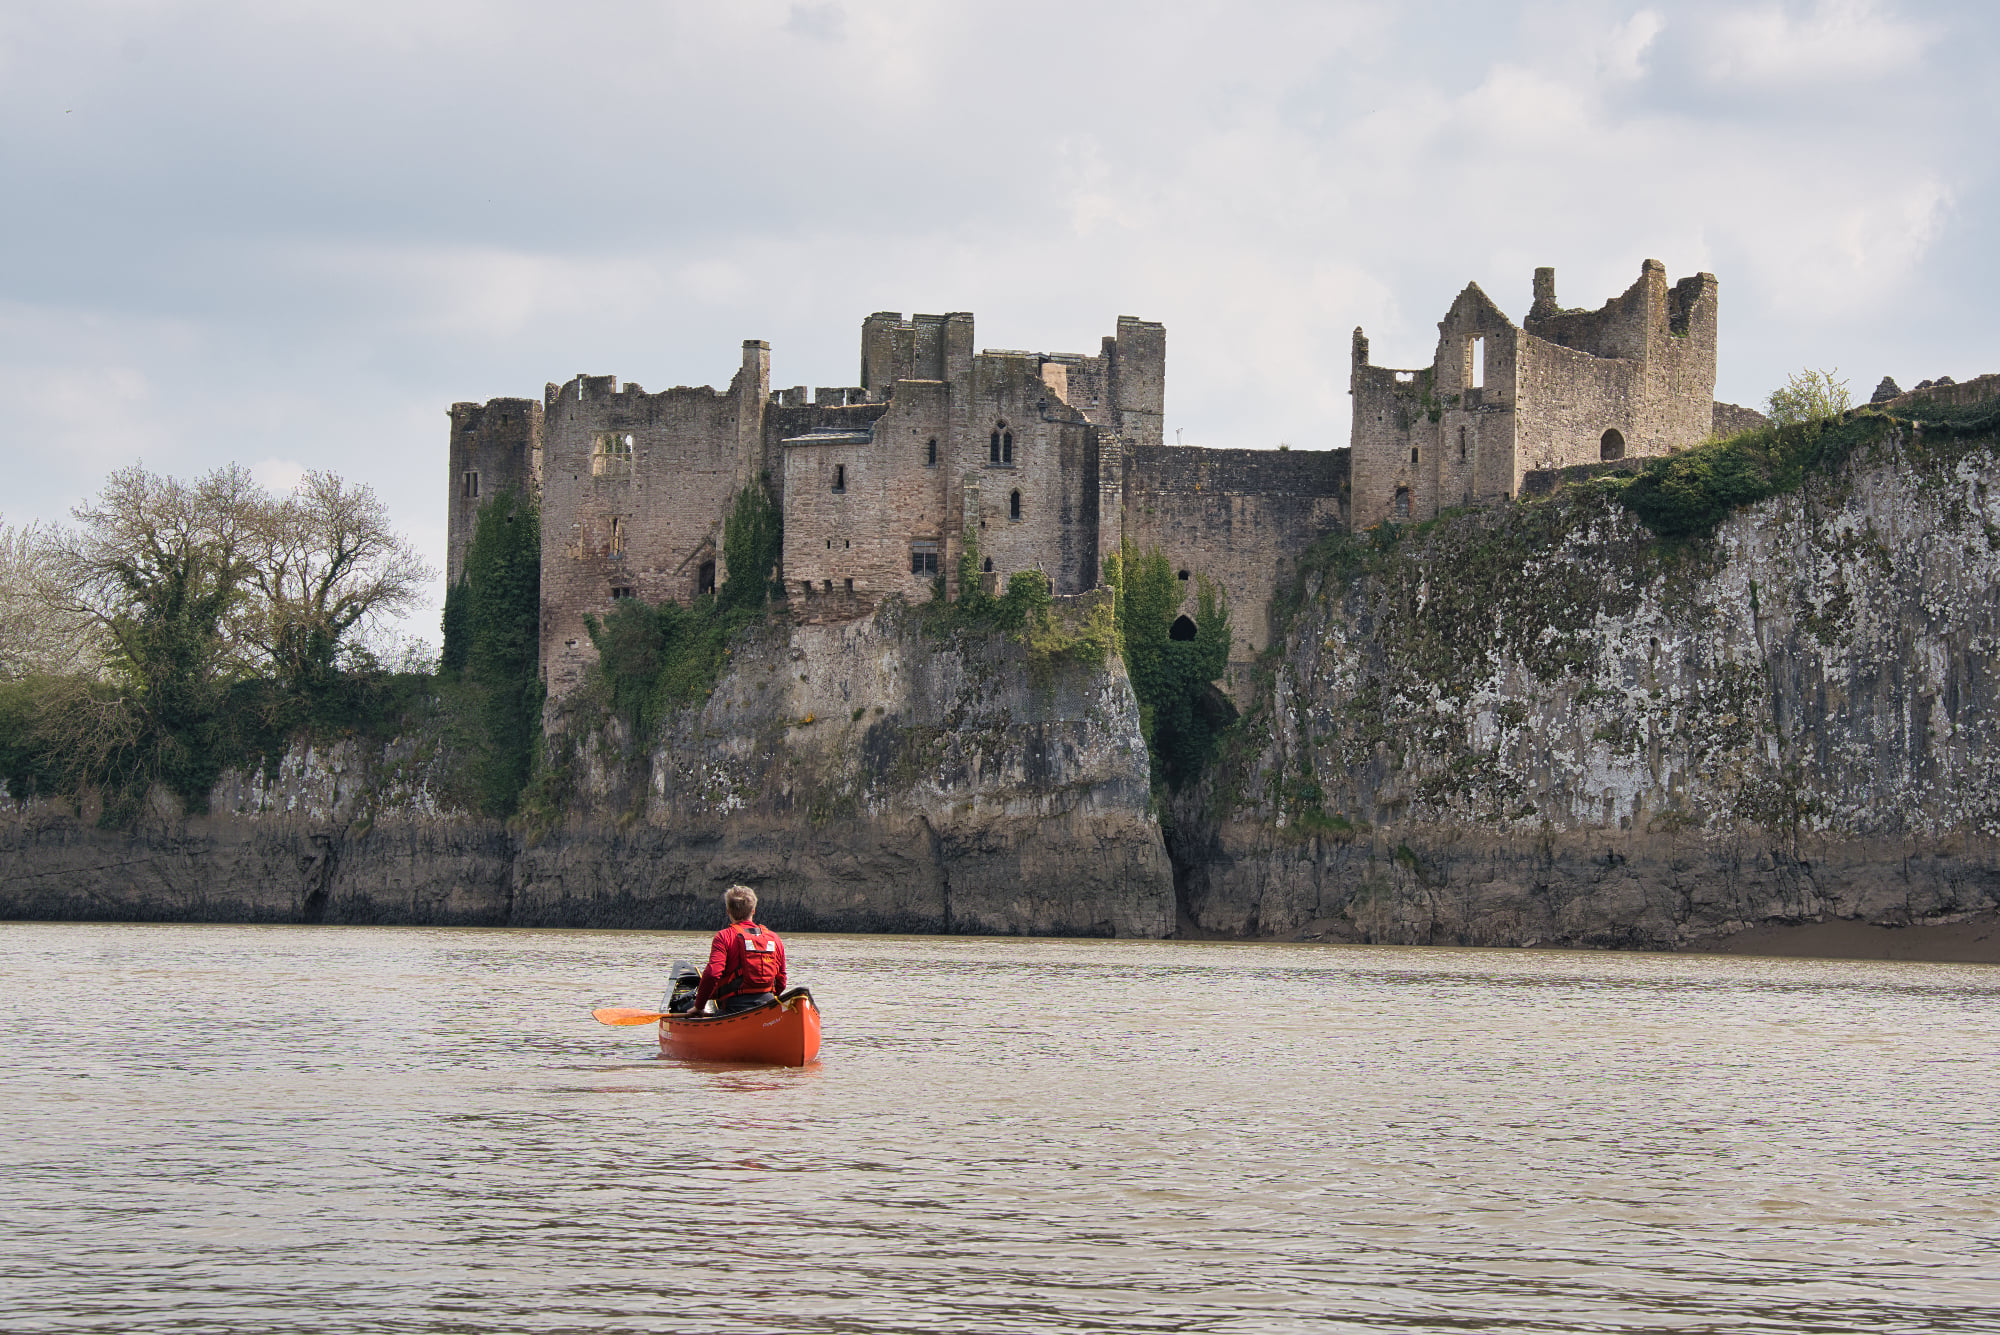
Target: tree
{"x":327,"y":563}
{"x":162,"y":568}
{"x":1808,"y":396}
{"x":38,"y":637}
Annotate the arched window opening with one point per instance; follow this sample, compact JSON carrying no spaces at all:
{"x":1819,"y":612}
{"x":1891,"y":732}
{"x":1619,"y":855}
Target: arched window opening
{"x":1461,"y":444}
{"x":1014,"y":506}
{"x":930,"y":453}
{"x":1183,"y":574}
{"x":840,"y":477}
{"x":1413,"y":454}
{"x":1611,"y":445}
{"x":1182,"y":629}
{"x":611,"y":454}
{"x":1006,"y":447}
{"x":705,"y":580}
{"x":987,"y":568}
{"x":993,"y":449}
{"x":1402,"y":503}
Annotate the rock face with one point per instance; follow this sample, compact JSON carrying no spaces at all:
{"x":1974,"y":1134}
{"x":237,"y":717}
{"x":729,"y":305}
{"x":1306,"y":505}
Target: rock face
{"x":864,"y":776}
{"x":1533,"y":723}
{"x":342,"y":833}
{"x":1538,"y":724}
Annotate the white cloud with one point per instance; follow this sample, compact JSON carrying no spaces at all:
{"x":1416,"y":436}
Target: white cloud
{"x":1834,"y":40}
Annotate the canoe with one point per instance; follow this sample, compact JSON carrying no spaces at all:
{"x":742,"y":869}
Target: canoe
{"x":783,"y":1032}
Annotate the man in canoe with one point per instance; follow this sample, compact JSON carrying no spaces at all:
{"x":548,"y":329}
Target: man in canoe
{"x":746,"y":962}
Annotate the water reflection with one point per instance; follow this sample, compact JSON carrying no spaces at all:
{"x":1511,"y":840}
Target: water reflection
{"x":322,"y":1129}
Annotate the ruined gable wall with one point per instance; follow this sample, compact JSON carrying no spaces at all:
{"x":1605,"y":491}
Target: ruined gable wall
{"x":501,"y":442}
{"x":689,"y":458}
{"x":891,"y":496}
{"x":1239,"y":517}
{"x":1476,"y":390}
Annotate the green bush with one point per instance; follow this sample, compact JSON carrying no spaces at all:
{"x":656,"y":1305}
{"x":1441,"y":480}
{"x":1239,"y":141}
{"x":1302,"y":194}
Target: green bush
{"x":1181,"y":713}
{"x":1025,"y":613}
{"x":1808,"y":396}
{"x":1686,"y":494}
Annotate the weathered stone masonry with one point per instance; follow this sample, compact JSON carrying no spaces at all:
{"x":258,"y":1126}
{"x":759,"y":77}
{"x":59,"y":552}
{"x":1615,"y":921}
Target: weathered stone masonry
{"x":1049,"y":460}
{"x":1633,"y":379}
{"x":1046,"y":460}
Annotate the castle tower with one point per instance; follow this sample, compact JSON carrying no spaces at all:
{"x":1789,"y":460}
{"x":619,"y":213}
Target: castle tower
{"x":495,"y":446}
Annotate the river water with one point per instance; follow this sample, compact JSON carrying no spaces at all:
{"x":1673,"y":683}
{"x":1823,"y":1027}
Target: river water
{"x":327,"y":1129}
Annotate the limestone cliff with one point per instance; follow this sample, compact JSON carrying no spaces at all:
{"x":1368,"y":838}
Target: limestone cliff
{"x":864,"y":776}
{"x":867,"y":776}
{"x":1540,"y":724}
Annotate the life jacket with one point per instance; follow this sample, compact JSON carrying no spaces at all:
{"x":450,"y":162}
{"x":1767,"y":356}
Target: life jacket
{"x":759,"y":970}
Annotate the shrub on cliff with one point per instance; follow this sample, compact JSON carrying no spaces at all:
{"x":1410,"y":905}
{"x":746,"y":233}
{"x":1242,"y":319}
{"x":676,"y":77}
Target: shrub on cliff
{"x":1687,"y":494}
{"x":1808,"y":396}
{"x":1173,"y":661}
{"x":1026,"y":613}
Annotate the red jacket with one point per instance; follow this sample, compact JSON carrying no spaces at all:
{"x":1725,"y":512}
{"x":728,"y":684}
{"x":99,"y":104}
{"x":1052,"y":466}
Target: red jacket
{"x":744,"y":957}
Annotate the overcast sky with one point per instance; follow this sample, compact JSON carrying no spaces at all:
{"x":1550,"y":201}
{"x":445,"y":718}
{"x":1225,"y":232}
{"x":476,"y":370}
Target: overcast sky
{"x":290,"y":234}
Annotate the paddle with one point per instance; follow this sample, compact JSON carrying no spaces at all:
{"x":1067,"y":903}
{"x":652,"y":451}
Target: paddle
{"x":621,"y":1015}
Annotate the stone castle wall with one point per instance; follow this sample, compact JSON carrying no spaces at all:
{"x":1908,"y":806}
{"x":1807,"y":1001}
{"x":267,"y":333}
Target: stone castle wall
{"x":635,"y":488}
{"x":1643,"y":366}
{"x":1235,"y":516}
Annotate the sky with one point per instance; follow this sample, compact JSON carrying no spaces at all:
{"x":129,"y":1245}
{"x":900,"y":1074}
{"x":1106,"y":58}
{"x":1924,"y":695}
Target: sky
{"x":290,"y":234}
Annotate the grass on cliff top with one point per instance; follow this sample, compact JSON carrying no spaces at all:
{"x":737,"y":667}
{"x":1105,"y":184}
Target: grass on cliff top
{"x":1688,"y":494}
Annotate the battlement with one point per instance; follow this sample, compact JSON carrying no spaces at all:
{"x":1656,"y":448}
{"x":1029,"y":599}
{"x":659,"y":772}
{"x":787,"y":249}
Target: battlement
{"x":1629,"y":325}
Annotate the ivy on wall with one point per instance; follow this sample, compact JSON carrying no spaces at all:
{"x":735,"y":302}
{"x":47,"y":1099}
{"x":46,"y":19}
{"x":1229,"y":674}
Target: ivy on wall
{"x":1173,"y":673}
{"x":490,"y":686}
{"x":654,"y":659}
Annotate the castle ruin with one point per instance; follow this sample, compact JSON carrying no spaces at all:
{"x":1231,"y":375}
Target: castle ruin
{"x":1632,"y":379}
{"x":1047,"y":461}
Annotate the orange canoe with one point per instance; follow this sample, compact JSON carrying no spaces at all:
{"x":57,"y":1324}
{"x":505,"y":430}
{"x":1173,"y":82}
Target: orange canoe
{"x":784,"y":1032}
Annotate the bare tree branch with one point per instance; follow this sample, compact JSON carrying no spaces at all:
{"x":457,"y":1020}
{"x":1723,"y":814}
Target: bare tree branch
{"x":328,"y":565}
{"x":37,"y":636}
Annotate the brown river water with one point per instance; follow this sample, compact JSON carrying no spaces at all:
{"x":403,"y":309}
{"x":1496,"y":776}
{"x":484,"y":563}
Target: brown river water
{"x":328,"y":1129}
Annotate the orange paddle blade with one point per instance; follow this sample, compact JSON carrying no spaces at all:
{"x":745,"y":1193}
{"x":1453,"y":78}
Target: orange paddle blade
{"x":620,"y":1015}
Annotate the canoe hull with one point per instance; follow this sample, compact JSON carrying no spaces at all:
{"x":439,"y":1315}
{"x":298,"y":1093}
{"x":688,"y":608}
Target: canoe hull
{"x":784,"y":1032}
